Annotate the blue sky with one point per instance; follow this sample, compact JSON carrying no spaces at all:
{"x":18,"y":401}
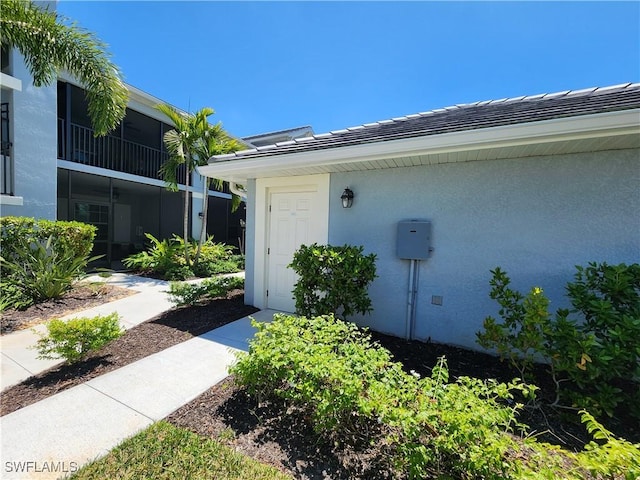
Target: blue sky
{"x":266,"y":66}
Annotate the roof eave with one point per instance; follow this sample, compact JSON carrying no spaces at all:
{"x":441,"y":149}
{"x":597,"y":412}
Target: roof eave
{"x":563,"y":129}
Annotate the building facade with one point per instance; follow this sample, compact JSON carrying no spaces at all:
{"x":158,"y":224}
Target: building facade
{"x":53,"y":167}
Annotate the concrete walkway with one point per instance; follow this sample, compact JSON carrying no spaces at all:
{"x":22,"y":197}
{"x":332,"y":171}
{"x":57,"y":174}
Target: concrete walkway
{"x":19,"y":361}
{"x":56,"y":436}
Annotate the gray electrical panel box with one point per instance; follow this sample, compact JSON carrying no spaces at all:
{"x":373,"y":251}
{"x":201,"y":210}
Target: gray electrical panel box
{"x":414,"y":240}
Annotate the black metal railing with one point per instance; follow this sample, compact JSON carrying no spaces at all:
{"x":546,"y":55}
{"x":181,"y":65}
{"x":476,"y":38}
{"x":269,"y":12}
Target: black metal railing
{"x":110,"y":152}
{"x":6,"y":162}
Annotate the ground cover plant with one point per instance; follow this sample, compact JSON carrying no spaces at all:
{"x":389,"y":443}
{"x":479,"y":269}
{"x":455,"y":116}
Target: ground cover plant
{"x":41,"y":259}
{"x":269,"y":430}
{"x":165,"y":259}
{"x":184,"y":293}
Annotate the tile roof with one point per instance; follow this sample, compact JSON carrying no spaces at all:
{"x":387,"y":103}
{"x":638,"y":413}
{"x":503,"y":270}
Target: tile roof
{"x":478,"y":115}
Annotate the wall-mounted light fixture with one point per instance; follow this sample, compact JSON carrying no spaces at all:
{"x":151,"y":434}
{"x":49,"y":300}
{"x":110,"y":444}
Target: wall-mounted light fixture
{"x":347,"y":198}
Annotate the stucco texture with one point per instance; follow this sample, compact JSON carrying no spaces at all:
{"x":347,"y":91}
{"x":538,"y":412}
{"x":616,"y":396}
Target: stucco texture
{"x":34,"y":120}
{"x":536,"y":218}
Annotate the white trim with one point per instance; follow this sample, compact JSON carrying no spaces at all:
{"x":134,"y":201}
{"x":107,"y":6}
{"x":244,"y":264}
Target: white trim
{"x":563,"y":129}
{"x":11,"y":200}
{"x":264,"y":187}
{"x":12,"y":83}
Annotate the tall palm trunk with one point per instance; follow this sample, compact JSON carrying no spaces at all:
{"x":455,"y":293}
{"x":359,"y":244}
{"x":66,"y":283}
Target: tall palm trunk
{"x":185,"y":224}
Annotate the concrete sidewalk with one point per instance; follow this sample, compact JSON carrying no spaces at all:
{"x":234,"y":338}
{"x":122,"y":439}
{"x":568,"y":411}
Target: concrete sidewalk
{"x":58,"y":435}
{"x":18,"y":361}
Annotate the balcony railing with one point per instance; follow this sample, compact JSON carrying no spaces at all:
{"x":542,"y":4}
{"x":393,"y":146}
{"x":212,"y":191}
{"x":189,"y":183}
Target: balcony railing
{"x":80,"y":145}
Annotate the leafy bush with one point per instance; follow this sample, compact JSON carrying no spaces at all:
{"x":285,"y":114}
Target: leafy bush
{"x":160,"y":257}
{"x":66,"y":236}
{"x":525,"y":321}
{"x":12,"y":296}
{"x":607,"y":300}
{"x":613,"y":458}
{"x":594,"y":355}
{"x":332,"y":280}
{"x":182,"y":293}
{"x":41,"y":271}
{"x":356,"y":395}
{"x":41,"y":259}
{"x":73,"y":339}
{"x":166,"y":259}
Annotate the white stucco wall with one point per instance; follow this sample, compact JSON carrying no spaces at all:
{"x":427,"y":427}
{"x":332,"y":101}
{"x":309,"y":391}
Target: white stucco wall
{"x":34,"y":131}
{"x":536,"y":218}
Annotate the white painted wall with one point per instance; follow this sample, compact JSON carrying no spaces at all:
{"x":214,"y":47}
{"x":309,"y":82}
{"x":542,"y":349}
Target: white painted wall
{"x":33,"y":126}
{"x":536,"y":218}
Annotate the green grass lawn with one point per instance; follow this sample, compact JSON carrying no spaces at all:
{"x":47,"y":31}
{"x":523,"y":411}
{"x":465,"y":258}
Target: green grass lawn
{"x":163,"y":451}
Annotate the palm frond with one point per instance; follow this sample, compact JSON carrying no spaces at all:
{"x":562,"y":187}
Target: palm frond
{"x":49,"y":45}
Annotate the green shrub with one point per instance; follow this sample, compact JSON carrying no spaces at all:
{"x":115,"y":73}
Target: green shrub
{"x":592,"y":356}
{"x":183,"y":293}
{"x":354,"y":394}
{"x":40,"y":271}
{"x":606,"y":298}
{"x":607,"y":456}
{"x":74,"y":338}
{"x":67,"y":236}
{"x":166,"y":259}
{"x":41,"y":258}
{"x":332,"y":280}
{"x":160,"y":257}
{"x":12,"y":296}
{"x":525,"y":321}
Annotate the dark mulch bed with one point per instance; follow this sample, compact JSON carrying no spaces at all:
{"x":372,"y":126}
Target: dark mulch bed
{"x":272,"y":434}
{"x":159,"y":333}
{"x":557,"y":426}
{"x":268,"y":431}
{"x":80,"y":297}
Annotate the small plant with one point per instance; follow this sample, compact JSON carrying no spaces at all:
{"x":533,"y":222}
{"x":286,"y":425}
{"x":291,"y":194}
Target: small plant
{"x":74,"y":338}
{"x":613,"y":458}
{"x":182,"y":293}
{"x":12,"y":296}
{"x":525,"y":320}
{"x":333,"y":280}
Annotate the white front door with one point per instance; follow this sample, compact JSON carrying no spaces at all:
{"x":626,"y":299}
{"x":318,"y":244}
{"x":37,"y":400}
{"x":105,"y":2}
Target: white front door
{"x":291,"y":224}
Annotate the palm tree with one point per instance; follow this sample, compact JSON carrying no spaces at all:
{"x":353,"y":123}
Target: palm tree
{"x":190,"y":144}
{"x":214,"y":141}
{"x":48,"y":45}
{"x":180,"y":143}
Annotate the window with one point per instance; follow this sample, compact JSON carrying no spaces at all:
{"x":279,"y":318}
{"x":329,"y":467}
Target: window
{"x":94,"y":214}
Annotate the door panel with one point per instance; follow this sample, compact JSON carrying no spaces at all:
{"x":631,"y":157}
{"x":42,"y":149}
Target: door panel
{"x":290,"y":225}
